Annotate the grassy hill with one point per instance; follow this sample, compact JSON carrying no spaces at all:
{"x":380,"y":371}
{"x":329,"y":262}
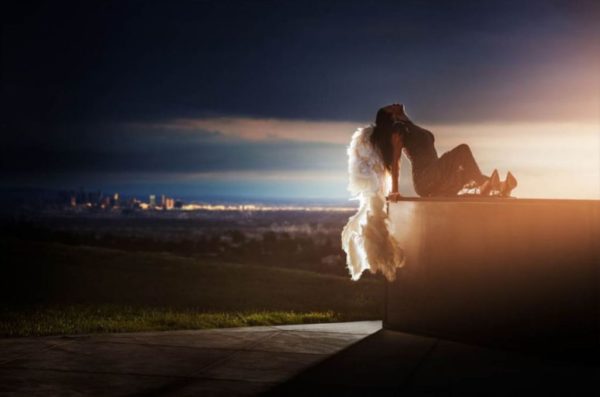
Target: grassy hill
{"x":50,"y":288}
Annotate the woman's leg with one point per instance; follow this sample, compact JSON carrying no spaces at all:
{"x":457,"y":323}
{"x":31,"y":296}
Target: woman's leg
{"x":461,"y":157}
{"x":451,"y":172}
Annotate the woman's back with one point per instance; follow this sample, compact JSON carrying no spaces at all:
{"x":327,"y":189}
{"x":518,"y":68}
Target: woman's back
{"x":419,"y":144}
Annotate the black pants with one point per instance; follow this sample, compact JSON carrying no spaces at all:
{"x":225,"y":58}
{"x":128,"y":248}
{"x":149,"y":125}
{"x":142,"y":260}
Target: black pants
{"x":447,"y":175}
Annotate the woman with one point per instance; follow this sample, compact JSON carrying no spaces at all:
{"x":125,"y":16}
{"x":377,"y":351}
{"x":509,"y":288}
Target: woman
{"x":374,"y":151}
{"x":453,"y":172}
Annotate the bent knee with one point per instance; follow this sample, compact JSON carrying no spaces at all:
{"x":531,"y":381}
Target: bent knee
{"x":463,"y":147}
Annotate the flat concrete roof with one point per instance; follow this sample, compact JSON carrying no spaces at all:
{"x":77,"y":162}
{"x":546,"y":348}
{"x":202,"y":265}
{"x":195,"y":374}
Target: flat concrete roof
{"x":464,"y":198}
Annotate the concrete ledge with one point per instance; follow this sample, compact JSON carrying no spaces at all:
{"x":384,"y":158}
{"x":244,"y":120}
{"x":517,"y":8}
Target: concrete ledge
{"x":512,"y":273}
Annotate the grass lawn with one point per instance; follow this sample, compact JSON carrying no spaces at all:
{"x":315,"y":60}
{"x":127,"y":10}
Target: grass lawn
{"x":51,"y":288}
{"x":82,"y":319}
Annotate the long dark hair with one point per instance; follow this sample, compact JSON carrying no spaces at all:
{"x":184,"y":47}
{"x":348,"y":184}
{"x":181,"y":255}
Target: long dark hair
{"x":381,"y":137}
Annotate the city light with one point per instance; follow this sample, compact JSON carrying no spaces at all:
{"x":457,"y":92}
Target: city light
{"x":116,"y":202}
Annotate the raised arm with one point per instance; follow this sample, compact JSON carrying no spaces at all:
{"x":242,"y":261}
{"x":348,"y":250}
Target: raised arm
{"x":397,"y":144}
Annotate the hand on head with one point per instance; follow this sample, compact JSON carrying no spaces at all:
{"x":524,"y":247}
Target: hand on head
{"x":397,"y":112}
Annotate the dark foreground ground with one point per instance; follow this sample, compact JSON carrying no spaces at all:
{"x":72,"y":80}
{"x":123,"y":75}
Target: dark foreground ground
{"x":74,"y":271}
{"x":53,"y":288}
{"x":95,"y":292}
{"x":357,"y":359}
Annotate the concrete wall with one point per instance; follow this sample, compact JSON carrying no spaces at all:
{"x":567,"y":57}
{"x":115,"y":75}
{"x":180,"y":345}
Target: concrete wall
{"x":511,"y":273}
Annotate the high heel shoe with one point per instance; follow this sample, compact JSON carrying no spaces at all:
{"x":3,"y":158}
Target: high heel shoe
{"x":508,"y":185}
{"x":492,"y":184}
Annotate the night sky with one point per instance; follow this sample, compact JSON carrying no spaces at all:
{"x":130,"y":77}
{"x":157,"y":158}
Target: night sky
{"x":260,"y":98}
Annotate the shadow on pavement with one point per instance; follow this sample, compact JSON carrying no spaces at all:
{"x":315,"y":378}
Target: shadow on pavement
{"x":396,"y":363}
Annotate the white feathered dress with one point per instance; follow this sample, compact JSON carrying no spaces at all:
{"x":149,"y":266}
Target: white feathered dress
{"x":366,"y":238}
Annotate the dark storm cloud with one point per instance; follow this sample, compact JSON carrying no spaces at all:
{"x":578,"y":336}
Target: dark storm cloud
{"x":130,"y":148}
{"x":74,"y":76}
{"x":312,"y":60}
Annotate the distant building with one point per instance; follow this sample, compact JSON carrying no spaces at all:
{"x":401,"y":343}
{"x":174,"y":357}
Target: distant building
{"x":152,"y":201}
{"x":94,"y":197}
{"x":80,"y":196}
{"x":163,"y":199}
{"x":169,"y":203}
{"x":131,"y":202}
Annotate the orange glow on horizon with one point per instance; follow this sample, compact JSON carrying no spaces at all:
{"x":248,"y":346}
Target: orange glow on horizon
{"x":549,"y":159}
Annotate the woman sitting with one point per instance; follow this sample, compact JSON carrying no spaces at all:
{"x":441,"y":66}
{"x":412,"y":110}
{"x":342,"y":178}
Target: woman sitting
{"x":455,"y":171}
{"x":375,"y":151}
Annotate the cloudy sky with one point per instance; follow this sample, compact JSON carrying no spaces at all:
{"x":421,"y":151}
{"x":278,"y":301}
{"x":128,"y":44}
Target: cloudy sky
{"x":260,"y":98}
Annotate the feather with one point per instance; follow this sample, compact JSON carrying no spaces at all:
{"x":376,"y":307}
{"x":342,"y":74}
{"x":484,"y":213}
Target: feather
{"x":366,"y":239}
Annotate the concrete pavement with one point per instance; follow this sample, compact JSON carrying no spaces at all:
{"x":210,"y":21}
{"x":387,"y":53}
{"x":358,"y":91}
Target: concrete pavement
{"x":339,"y":359}
{"x":227,"y":361}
